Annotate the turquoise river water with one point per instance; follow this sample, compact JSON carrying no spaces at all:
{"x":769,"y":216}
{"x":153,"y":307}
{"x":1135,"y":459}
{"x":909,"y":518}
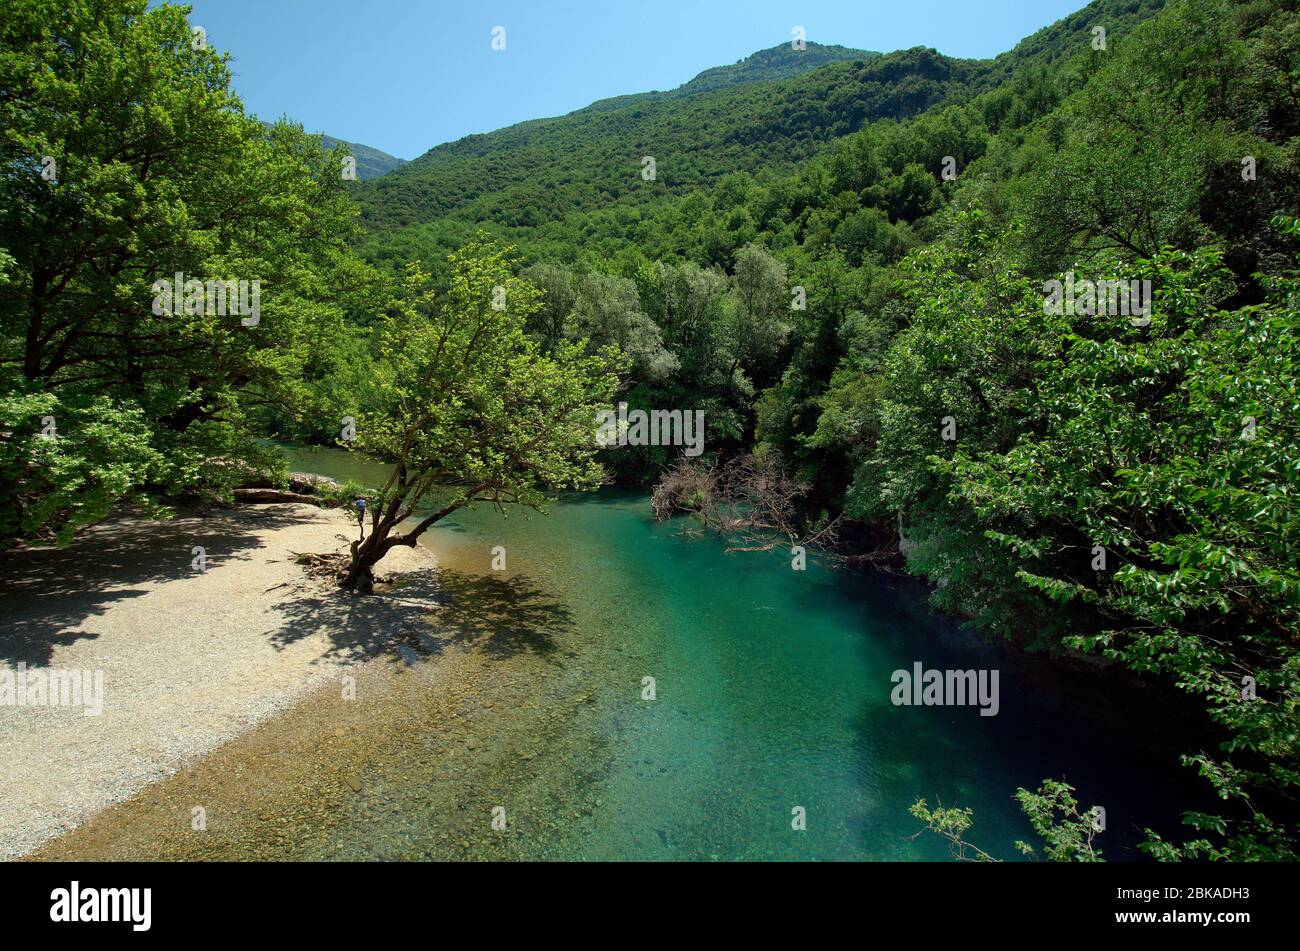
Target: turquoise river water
{"x":773,"y":694}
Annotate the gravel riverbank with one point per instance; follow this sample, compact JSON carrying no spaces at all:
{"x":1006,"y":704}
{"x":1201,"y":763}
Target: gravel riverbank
{"x":189,"y":658}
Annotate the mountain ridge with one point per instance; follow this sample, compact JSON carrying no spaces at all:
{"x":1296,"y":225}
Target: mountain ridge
{"x":371,"y":162}
{"x":776,"y":62}
{"x":698,"y":137}
{"x":752,"y":116}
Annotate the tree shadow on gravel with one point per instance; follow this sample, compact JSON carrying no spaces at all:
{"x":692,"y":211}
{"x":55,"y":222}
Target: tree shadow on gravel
{"x":425,"y":611}
{"x":46,"y":591}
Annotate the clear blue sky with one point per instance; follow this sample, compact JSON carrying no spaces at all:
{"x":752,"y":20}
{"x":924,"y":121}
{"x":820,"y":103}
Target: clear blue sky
{"x":406,"y":75}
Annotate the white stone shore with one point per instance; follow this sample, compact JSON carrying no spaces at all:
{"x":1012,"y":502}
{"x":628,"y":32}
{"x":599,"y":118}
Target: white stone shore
{"x":189,"y":659}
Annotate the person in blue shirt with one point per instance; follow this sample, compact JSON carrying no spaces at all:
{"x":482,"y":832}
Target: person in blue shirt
{"x":361,"y":515}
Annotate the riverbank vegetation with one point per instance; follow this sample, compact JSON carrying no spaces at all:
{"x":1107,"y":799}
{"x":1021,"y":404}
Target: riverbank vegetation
{"x":845,"y":271}
{"x":127,"y":160}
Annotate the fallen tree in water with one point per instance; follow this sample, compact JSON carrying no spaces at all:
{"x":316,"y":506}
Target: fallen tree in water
{"x":756,"y":505}
{"x":274,"y":495}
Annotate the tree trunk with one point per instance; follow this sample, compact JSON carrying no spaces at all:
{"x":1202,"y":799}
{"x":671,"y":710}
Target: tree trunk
{"x":365,"y":555}
{"x":368,"y":552}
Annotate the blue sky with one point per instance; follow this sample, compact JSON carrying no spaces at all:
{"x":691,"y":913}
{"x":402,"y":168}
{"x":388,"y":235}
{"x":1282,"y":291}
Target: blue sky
{"x":406,"y":75}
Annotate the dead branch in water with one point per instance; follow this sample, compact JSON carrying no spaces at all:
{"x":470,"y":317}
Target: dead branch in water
{"x":753,"y":502}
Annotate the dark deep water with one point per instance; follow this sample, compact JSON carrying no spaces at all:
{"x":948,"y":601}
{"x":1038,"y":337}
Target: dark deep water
{"x":773,"y":692}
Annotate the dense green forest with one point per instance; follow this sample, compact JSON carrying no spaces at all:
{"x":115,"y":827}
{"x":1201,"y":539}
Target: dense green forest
{"x":843,"y":266}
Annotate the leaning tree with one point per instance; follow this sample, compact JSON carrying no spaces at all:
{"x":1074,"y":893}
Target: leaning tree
{"x":471,"y":409}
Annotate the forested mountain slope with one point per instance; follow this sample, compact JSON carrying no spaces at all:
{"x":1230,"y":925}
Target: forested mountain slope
{"x":757,"y":116}
{"x":538,"y":170}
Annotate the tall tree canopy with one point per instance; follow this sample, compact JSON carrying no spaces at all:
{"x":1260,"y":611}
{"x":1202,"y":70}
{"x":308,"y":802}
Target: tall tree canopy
{"x":125,"y":159}
{"x":472,"y":410}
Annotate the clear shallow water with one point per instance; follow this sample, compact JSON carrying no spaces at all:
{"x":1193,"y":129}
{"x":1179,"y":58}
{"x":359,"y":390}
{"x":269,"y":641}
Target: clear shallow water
{"x":773,"y":692}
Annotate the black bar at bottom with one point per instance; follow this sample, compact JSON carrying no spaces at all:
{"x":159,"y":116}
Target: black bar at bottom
{"x":333,"y":901}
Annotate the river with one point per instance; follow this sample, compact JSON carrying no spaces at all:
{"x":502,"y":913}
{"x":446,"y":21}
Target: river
{"x":771,"y":701}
